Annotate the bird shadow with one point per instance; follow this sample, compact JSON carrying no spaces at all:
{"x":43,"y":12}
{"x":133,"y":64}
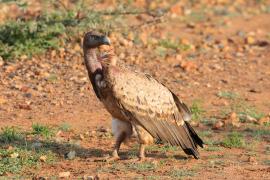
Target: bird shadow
{"x":63,"y":148}
{"x":59,"y":148}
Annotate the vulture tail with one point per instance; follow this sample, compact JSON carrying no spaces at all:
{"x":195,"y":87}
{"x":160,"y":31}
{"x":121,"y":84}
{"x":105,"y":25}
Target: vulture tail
{"x":188,"y":140}
{"x":197,"y":140}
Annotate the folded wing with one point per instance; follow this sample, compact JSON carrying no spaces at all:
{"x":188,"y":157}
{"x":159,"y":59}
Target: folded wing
{"x":145,"y":101}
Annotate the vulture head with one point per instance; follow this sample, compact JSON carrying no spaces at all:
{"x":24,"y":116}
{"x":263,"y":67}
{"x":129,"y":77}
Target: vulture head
{"x":94,"y":40}
{"x":95,"y":62}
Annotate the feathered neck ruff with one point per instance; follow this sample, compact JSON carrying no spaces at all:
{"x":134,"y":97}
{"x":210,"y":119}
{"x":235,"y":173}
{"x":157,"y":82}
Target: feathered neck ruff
{"x":107,"y":56}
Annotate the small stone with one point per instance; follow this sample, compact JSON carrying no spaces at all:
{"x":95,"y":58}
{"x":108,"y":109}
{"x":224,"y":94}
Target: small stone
{"x":191,"y":25}
{"x":103,"y":129}
{"x":233,"y":120}
{"x":9,"y":148}
{"x":24,"y":106}
{"x":43,"y":158}
{"x":70,"y":155}
{"x":23,"y":57}
{"x":2,"y":100}
{"x":263,"y":120}
{"x":81,"y":137}
{"x":1,"y":61}
{"x":86,"y":177}
{"x":122,"y":55}
{"x":218,"y":125}
{"x":188,"y":66}
{"x":64,"y":174}
{"x":59,"y":133}
{"x":36,"y":145}
{"x":53,"y":53}
{"x":194,"y":124}
{"x":14,"y":155}
{"x":77,"y":47}
{"x":241,"y":33}
{"x":250,"y":40}
{"x":130,"y":36}
{"x":239,"y":54}
{"x":252,"y":160}
{"x":250,"y":119}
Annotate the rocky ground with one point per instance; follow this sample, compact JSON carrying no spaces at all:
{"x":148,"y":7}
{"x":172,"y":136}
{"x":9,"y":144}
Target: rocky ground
{"x":214,"y":56}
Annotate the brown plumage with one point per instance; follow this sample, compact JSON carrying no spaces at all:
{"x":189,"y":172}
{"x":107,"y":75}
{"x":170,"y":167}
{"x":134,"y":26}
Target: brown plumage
{"x":137,"y":99}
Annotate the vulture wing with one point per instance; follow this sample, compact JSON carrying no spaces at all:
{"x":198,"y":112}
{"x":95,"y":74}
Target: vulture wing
{"x":145,"y":101}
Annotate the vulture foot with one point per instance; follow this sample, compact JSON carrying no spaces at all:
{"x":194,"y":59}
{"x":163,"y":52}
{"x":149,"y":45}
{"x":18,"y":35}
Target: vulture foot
{"x":112,"y":159}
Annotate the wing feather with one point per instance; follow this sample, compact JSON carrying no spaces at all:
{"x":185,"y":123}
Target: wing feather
{"x":158,"y":110}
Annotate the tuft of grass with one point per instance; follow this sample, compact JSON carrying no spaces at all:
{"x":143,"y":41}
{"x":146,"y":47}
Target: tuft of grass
{"x":258,"y":133}
{"x":10,"y":134}
{"x":267,"y":124}
{"x":267,"y":149}
{"x":234,"y":140}
{"x":18,"y":159}
{"x":169,"y":44}
{"x":144,"y":166}
{"x":208,"y":121}
{"x":52,"y":78}
{"x":154,"y":177}
{"x":181,"y":173}
{"x":227,"y":95}
{"x":65,"y":127}
{"x":239,"y":106}
{"x":212,"y":148}
{"x":49,"y":31}
{"x":206,"y":133}
{"x":162,"y":148}
{"x":39,"y":129}
{"x":197,"y":110}
{"x":266,"y":162}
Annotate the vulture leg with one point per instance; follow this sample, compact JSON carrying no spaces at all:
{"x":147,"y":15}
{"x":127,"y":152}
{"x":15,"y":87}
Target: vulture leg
{"x":144,"y":139}
{"x":122,"y":130}
{"x":117,"y":145}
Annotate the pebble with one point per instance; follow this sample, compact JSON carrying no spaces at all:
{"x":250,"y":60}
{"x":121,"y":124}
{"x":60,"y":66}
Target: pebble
{"x":36,"y":145}
{"x":1,"y":61}
{"x":14,"y":155}
{"x":218,"y":125}
{"x":43,"y":158}
{"x":250,"y":40}
{"x":64,"y":174}
{"x":70,"y":155}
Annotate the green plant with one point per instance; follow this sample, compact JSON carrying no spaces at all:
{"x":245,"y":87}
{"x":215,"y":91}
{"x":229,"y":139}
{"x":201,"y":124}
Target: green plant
{"x":267,"y":162}
{"x":234,"y":140}
{"x":197,"y":110}
{"x":42,"y":130}
{"x":241,"y":107}
{"x":169,"y":44}
{"x":162,"y":148}
{"x":48,"y":31}
{"x":227,"y":95}
{"x":267,"y":149}
{"x":212,"y":148}
{"x":181,"y":173}
{"x":144,"y":166}
{"x":10,"y":134}
{"x":17,"y":159}
{"x":258,"y":133}
{"x":65,"y":127}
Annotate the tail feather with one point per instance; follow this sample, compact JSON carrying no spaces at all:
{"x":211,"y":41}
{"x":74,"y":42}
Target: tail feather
{"x":194,"y":135}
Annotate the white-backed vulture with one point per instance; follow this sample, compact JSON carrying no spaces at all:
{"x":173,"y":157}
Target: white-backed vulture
{"x":137,"y":100}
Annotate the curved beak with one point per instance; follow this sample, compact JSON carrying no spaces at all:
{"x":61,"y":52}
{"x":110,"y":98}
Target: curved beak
{"x":106,"y":40}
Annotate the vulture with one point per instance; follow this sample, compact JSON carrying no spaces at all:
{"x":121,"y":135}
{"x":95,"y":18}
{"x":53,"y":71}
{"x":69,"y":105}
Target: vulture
{"x":137,"y":102}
